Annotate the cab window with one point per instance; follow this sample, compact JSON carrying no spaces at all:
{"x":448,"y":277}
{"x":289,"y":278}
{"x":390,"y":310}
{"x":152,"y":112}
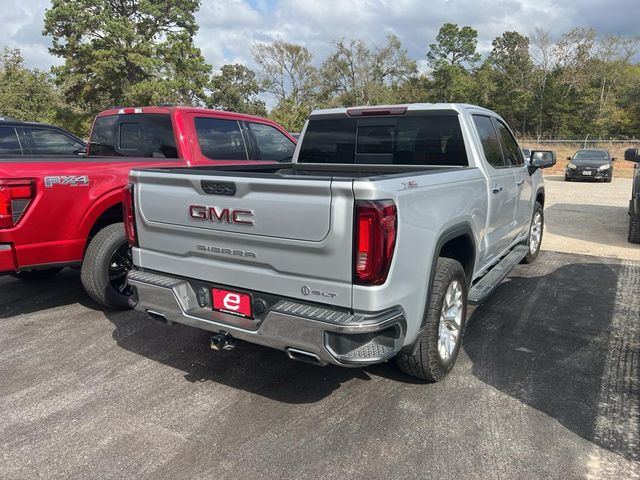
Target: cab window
{"x":271,"y":143}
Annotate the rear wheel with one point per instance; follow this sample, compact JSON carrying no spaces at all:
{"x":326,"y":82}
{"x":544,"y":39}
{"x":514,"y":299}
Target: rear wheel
{"x":105,"y":266}
{"x":634,"y":228}
{"x":444,"y":320}
{"x":35,"y":275}
{"x":535,"y":234}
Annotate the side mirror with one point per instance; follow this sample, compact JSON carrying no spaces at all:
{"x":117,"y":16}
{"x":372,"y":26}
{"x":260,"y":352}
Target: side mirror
{"x":542,"y":159}
{"x":632,"y":154}
{"x":569,"y":158}
{"x":80,"y":151}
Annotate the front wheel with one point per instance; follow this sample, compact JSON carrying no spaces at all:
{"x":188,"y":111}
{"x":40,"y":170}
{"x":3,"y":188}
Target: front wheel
{"x":535,"y":234}
{"x":444,"y":320}
{"x":105,"y":266}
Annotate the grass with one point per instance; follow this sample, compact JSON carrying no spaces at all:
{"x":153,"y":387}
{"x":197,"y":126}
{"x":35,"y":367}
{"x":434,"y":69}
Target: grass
{"x":621,"y":167}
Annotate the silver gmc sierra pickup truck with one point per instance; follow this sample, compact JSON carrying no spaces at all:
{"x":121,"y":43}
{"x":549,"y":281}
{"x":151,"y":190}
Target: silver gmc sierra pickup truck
{"x":366,"y":245}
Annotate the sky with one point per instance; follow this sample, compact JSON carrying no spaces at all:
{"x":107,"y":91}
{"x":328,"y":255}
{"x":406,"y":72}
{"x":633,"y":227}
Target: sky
{"x":229,"y":27}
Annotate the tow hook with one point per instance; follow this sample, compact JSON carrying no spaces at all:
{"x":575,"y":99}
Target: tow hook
{"x":223,"y":341}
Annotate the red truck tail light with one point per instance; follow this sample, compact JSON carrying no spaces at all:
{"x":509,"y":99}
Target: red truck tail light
{"x":15,"y":198}
{"x":375,"y":239}
{"x":129,"y":215}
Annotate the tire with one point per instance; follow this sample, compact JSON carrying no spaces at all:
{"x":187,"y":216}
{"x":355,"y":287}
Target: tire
{"x":428,"y":363}
{"x":108,"y":255}
{"x":532,"y":254}
{"x":36,"y":275}
{"x":634,"y":229}
{"x":608,"y":180}
{"x":567,"y":179}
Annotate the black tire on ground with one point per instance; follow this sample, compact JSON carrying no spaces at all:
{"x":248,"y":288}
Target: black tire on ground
{"x":634,"y":229}
{"x":95,"y":273}
{"x":36,"y":275}
{"x":531,"y":256}
{"x":608,"y":180}
{"x":426,"y":362}
{"x":567,"y":179}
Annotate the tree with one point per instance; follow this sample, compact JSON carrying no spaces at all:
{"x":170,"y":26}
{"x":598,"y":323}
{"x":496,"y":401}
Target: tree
{"x":356,"y":75}
{"x":512,"y":68}
{"x":236,"y":89}
{"x":286,"y":70}
{"x":25,"y":94}
{"x":126,"y":52}
{"x":454,"y":46}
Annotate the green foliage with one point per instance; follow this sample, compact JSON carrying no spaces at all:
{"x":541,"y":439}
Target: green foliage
{"x":25,"y":94}
{"x":454,"y":46}
{"x":236,"y":89}
{"x":126,"y":52}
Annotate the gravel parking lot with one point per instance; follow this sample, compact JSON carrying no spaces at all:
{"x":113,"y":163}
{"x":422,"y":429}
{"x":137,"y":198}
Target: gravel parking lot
{"x":547,"y":385}
{"x":589,"y":218}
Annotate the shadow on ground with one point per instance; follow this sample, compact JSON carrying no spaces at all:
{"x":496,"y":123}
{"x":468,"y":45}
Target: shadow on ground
{"x":547,"y":338}
{"x":19,"y":297}
{"x":252,"y":368}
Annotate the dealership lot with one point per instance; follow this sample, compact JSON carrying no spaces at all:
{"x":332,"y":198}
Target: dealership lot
{"x":547,"y":385}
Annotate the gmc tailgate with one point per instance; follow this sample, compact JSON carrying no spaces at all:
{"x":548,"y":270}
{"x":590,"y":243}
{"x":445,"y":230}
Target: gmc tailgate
{"x":281,"y":234}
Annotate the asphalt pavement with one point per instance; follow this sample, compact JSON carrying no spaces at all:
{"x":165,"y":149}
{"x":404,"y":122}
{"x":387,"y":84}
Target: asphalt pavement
{"x":547,"y":386}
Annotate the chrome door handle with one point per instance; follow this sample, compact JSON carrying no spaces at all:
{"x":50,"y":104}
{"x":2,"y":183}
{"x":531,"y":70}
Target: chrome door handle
{"x":497,"y":189}
{"x":520,"y":183}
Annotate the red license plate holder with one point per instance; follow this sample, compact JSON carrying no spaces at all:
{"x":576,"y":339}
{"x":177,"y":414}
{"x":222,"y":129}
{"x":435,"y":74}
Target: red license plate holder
{"x":234,"y":303}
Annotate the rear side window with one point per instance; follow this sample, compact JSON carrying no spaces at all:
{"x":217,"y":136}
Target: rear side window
{"x":134,"y":135}
{"x":489,"y":140}
{"x":9,"y":144}
{"x":271,"y":143}
{"x":50,"y":142}
{"x":510,"y":149}
{"x":220,"y":139}
{"x":433,"y":139}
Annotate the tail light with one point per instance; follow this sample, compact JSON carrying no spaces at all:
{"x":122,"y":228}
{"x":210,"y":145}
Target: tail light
{"x":129,"y":215}
{"x":375,"y":239}
{"x":15,"y":198}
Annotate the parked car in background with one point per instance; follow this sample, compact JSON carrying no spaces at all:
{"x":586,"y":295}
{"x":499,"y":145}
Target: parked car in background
{"x":366,"y":247}
{"x":633,"y":155}
{"x":67,"y":210}
{"x":527,"y":154}
{"x":590,"y":164}
{"x":32,"y":138}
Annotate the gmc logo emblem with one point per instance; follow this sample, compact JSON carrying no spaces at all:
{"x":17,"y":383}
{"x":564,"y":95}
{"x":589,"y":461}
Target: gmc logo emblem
{"x":221,"y":215}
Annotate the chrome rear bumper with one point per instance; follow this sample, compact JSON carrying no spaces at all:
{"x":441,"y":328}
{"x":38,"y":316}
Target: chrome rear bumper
{"x":332,"y":335}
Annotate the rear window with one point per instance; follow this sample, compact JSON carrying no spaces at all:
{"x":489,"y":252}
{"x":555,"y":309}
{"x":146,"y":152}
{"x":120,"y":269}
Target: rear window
{"x":134,"y":135}
{"x":412,"y":140}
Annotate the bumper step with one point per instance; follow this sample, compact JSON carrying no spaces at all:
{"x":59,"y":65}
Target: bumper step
{"x":487,"y":284}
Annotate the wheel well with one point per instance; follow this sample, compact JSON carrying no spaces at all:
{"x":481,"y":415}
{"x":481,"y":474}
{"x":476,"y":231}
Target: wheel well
{"x":110,"y":216}
{"x":540,"y":198}
{"x":460,"y":248}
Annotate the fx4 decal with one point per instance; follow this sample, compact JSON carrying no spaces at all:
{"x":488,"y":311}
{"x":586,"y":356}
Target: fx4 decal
{"x":71,"y":181}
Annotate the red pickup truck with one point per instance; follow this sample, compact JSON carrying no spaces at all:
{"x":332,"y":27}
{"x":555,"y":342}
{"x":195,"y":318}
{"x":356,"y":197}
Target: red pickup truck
{"x":61,"y":211}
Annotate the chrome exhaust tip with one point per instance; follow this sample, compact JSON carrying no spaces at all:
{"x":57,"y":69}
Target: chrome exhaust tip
{"x":306,"y":357}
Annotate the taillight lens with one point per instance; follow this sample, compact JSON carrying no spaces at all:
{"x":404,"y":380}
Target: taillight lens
{"x":129,"y":215}
{"x":15,"y":197}
{"x":375,"y":240}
